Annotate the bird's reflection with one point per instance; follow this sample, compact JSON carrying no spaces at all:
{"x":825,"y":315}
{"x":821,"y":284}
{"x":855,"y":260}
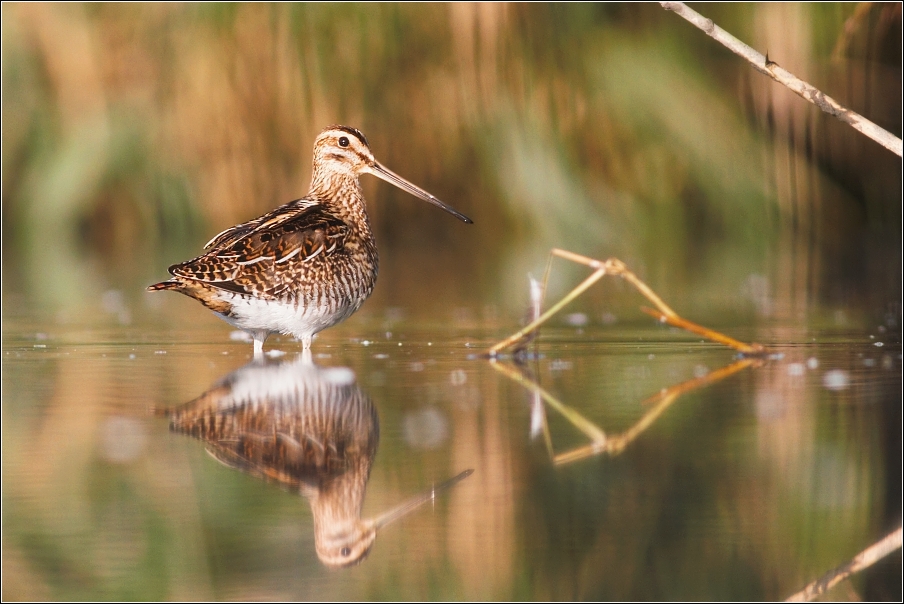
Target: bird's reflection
{"x":309,"y":428}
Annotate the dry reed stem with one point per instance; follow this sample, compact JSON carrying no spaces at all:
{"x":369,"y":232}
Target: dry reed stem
{"x":710,"y":334}
{"x":863,"y":560}
{"x":850,"y":27}
{"x":614,"y":444}
{"x":664,"y":399}
{"x":614,"y":266}
{"x":587,"y":427}
{"x":782,"y":76}
{"x":585,"y":284}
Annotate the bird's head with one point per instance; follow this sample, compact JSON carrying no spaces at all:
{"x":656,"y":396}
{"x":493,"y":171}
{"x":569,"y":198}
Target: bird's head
{"x":343,"y":151}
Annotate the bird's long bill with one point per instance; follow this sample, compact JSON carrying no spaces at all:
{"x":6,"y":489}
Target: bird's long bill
{"x":412,"y":504}
{"x":391,"y":177}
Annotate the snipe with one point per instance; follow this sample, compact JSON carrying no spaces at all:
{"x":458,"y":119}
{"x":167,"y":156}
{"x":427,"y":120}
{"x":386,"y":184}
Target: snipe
{"x":306,"y":265}
{"x":309,"y":429}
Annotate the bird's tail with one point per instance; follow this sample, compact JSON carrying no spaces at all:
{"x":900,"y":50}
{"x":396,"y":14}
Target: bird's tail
{"x":171,"y":284}
{"x":202,"y":292}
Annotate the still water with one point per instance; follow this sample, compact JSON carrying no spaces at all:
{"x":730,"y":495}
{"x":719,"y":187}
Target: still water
{"x":145,"y":456}
{"x":625,"y":461}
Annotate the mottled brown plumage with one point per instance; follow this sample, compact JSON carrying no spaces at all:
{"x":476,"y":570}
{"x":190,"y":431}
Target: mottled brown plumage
{"x":306,"y":265}
{"x":310,"y":429}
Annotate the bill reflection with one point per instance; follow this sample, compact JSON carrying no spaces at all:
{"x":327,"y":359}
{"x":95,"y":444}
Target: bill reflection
{"x":310,"y":429}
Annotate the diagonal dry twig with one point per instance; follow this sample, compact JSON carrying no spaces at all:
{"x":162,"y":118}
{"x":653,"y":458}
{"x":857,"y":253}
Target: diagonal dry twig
{"x":615,"y":267}
{"x":864,"y":559}
{"x":782,"y":76}
{"x":613,"y":444}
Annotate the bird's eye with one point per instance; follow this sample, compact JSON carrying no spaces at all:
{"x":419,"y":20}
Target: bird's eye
{"x":345,"y":551}
{"x":343,"y":141}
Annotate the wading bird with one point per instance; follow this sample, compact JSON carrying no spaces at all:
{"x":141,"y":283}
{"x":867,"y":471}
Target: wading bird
{"x":306,"y":265}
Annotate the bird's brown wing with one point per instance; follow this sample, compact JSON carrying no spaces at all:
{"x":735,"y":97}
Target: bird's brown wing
{"x":234,"y":233}
{"x":263,"y":257}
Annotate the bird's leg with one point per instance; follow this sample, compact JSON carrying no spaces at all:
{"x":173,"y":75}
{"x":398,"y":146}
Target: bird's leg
{"x":306,"y":342}
{"x":258,"y":344}
{"x":306,"y":358}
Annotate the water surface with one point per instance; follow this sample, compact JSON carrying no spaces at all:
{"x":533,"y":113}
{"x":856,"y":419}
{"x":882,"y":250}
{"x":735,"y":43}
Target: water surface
{"x":748,"y":487}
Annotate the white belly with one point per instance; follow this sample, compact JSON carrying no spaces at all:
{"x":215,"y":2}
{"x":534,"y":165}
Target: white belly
{"x":270,"y":316}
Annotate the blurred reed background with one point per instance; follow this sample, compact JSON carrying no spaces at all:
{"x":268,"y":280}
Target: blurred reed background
{"x":131,"y":133}
{"x":134,"y":132}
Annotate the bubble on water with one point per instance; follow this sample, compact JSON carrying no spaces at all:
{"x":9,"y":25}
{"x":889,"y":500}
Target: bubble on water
{"x":879,"y":344}
{"x":275,"y":354}
{"x":425,"y":428}
{"x":381,"y":356}
{"x":812,"y":363}
{"x":700,"y":371}
{"x":340,"y":376}
{"x":240,"y":336}
{"x":576,"y":319}
{"x":796,"y":369}
{"x":458,"y":377}
{"x":836,"y":379}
